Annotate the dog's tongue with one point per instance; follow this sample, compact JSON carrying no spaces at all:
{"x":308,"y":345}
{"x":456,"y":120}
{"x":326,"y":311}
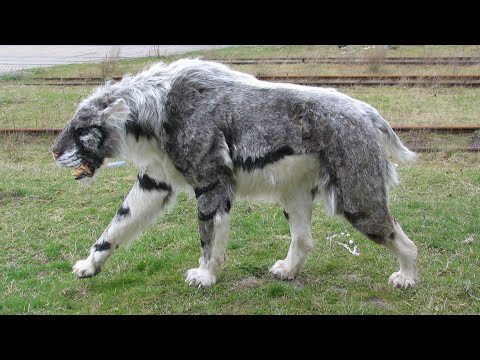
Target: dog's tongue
{"x":82,"y":171}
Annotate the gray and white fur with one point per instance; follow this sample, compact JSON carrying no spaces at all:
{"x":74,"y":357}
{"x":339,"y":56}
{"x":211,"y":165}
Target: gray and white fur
{"x":221,"y":135}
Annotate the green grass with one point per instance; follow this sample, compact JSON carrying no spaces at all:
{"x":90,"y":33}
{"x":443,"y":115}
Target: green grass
{"x":422,"y":105}
{"x":48,"y":221}
{"x":38,"y":106}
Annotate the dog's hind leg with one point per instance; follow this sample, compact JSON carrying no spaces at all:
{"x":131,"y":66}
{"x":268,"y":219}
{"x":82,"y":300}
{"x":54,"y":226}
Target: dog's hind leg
{"x":406,"y":252}
{"x":358,"y":181}
{"x":380,"y":227}
{"x":298,"y":210}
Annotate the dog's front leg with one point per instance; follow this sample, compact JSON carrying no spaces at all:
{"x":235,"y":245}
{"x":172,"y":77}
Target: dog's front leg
{"x":213,"y":225}
{"x":145,"y":202}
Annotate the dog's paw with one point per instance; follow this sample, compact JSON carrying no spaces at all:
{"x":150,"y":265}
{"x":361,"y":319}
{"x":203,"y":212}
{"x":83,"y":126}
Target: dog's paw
{"x":399,"y":280}
{"x":199,"y":277}
{"x":85,"y":269}
{"x":280,"y":271}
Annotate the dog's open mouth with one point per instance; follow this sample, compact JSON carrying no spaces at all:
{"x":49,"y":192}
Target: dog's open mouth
{"x":84,"y":170}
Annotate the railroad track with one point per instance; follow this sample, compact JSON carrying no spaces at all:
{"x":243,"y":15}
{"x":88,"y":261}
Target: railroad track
{"x":311,"y":80}
{"x":454,"y":61}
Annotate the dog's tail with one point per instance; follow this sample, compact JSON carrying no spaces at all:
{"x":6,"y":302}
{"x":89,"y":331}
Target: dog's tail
{"x":392,"y":142}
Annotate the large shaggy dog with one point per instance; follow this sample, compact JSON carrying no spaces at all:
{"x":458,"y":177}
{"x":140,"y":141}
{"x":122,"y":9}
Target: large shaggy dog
{"x":220,"y":135}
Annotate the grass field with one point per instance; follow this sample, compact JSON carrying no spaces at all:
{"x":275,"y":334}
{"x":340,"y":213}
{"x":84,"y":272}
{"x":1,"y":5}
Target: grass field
{"x":48,"y":221}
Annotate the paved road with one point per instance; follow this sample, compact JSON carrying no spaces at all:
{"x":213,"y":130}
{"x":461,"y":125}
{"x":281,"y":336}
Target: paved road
{"x":18,"y":57}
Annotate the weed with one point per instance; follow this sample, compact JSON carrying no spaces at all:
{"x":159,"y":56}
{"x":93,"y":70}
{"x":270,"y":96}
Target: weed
{"x":110,"y":64}
{"x":375,"y":58}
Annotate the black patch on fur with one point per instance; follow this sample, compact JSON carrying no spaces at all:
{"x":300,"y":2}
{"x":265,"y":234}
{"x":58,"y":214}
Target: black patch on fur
{"x":203,"y":190}
{"x":123,"y":211}
{"x":379,"y":239}
{"x":229,"y":141}
{"x":133,"y":128}
{"x":206,"y":217}
{"x":286,"y":214}
{"x":354,"y":217}
{"x":250,"y":164}
{"x":94,"y":159}
{"x":227,"y":171}
{"x":314,"y":192}
{"x":103,"y":246}
{"x":148,"y":184}
{"x":167,"y":127}
{"x":82,"y":131}
{"x":203,"y":242}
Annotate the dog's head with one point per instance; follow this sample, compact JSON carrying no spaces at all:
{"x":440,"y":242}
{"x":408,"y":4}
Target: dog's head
{"x":92,"y":135}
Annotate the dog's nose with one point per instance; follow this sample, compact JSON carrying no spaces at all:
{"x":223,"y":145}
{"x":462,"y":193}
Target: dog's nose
{"x":56,"y":154}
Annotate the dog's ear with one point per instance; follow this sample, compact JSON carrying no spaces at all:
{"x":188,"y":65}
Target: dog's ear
{"x":118,"y":111}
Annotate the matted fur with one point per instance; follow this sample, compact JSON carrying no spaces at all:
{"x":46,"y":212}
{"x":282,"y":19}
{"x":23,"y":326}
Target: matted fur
{"x":220,"y":135}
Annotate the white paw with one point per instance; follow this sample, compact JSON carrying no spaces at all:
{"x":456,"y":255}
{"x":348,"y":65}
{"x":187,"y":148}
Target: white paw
{"x":200,"y":278}
{"x":85,"y":269}
{"x":400,"y":280}
{"x":279,"y":270}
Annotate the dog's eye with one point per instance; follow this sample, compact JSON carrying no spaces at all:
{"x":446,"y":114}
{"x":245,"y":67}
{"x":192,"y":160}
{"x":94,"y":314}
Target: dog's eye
{"x":82,"y":132}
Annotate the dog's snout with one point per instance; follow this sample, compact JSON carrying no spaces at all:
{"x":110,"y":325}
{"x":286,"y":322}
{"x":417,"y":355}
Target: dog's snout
{"x":56,"y":154}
